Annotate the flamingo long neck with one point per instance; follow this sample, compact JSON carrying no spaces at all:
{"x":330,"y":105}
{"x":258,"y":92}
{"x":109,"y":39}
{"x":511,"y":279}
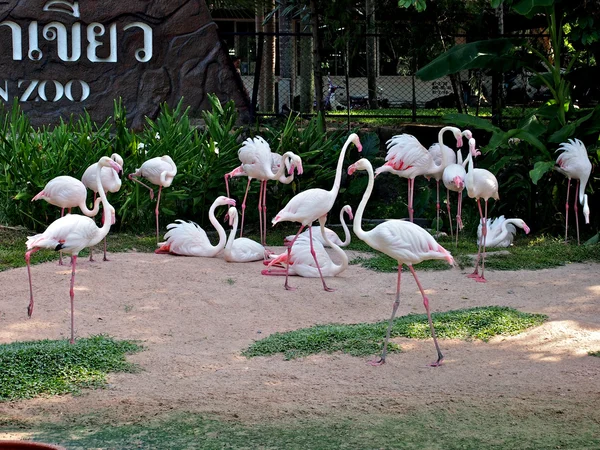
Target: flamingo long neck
{"x":582,"y":183}
{"x":281,"y":171}
{"x":336,"y":248}
{"x":220,"y":230}
{"x":91,"y":212}
{"x":338,"y":171}
{"x":441,"y":142}
{"x":357,"y":225}
{"x":103,"y":231}
{"x":470,"y":171}
{"x":232,"y":233}
{"x":347,"y":236}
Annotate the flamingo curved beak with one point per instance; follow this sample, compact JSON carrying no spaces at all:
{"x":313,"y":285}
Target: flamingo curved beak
{"x":459,"y":182}
{"x":526,"y":228}
{"x":352,"y":169}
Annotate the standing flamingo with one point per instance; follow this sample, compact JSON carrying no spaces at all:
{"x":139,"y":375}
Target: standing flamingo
{"x":501,"y":231}
{"x":111,"y":182}
{"x":301,"y":261}
{"x":71,"y":234}
{"x":574,"y":162}
{"x":241,"y":249}
{"x":331,"y":235}
{"x":313,"y":204}
{"x":405,"y":242}
{"x":189,"y":239}
{"x":481,"y":184}
{"x":161,"y":171}
{"x":407,"y":158}
{"x":259,"y":162}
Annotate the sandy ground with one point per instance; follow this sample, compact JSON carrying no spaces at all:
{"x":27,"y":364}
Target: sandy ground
{"x":196,"y":315}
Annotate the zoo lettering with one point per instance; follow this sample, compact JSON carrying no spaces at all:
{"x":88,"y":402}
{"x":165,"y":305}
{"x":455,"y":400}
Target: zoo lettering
{"x":36,"y":90}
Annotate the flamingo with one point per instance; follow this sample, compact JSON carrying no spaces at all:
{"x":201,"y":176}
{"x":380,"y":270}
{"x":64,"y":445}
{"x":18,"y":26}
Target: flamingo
{"x":501,"y":231}
{"x":71,"y":234}
{"x":67,"y":192}
{"x":407,"y":158}
{"x":161,"y":171}
{"x":301,"y":261}
{"x":331,"y":235}
{"x":405,"y":242}
{"x":259,"y":162}
{"x":481,"y":184}
{"x":241,"y":249}
{"x":111,"y":182}
{"x":574,"y":162}
{"x":189,"y":239}
{"x":313,"y":204}
{"x":453,"y":177}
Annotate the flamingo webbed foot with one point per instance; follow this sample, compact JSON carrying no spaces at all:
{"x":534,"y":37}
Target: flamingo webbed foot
{"x":379,"y":362}
{"x":481,"y":280}
{"x":437,"y":363}
{"x":289,"y":288}
{"x":29,"y":310}
{"x":473,"y":275}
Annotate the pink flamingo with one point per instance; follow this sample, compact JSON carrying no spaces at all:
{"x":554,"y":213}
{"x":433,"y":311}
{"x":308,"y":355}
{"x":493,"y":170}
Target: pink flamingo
{"x":501,"y":231}
{"x":574,"y":162}
{"x":481,"y":184}
{"x":241,"y":249}
{"x":313,"y":204}
{"x":259,"y":162}
{"x":331,"y":235}
{"x":405,"y":242}
{"x":111,"y":181}
{"x":189,"y":239}
{"x":407,"y":158}
{"x":71,"y":234}
{"x":301,"y":261}
{"x":160,"y":171}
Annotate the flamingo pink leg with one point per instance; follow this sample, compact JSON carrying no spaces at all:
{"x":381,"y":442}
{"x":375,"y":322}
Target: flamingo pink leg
{"x":449,"y":215}
{"x":227,"y":183}
{"x":437,"y":210}
{"x":105,"y":257}
{"x":260,"y":211}
{"x":567,"y":210}
{"x":576,"y":209}
{"x":263,"y":234}
{"x":135,"y":179}
{"x":391,"y":321}
{"x":475,"y":273}
{"x":289,"y":251}
{"x":72,"y":295}
{"x":459,"y":224}
{"x":482,"y":279}
{"x":411,"y":187}
{"x":27,"y":260}
{"x":244,"y":206}
{"x":426,"y":304}
{"x":156,"y":212}
{"x":314,"y":255}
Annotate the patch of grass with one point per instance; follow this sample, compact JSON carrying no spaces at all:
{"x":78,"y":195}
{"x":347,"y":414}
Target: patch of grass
{"x":30,"y":369}
{"x":596,"y":353}
{"x":447,"y":427}
{"x":365,"y":339}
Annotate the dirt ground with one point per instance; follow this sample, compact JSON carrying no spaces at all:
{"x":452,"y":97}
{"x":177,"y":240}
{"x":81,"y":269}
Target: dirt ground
{"x":196,"y":315}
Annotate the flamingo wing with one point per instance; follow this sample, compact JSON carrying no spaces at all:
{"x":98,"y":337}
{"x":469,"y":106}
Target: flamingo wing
{"x":306,"y":207}
{"x":574,"y":161}
{"x":186,"y":239}
{"x":71,"y":233}
{"x":244,"y":250}
{"x":63,"y":191}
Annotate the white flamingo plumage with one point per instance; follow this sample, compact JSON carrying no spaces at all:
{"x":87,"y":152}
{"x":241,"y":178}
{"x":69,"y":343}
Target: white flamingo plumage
{"x":71,"y":234}
{"x":407,"y":158}
{"x":481,"y":184}
{"x":241,"y":249}
{"x":501,"y":231}
{"x":160,"y":171}
{"x":313,"y":204}
{"x":301,"y":261}
{"x":189,"y":239}
{"x":331,"y":235}
{"x":574,"y":162}
{"x":111,"y":182}
{"x":258,"y":162}
{"x":404,"y":241}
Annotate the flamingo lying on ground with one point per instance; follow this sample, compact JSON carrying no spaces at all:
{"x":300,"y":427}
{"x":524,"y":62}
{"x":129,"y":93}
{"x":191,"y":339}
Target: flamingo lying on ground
{"x":313,"y":204}
{"x":331,"y":235}
{"x":481,"y":184}
{"x":301,"y":261}
{"x":189,"y":239}
{"x":160,"y":171}
{"x":71,"y":234}
{"x":241,"y":249}
{"x":111,"y":182}
{"x":405,"y":242}
{"x":259,"y":162}
{"x":574,"y":162}
{"x":407,"y":158}
{"x":501,"y":231}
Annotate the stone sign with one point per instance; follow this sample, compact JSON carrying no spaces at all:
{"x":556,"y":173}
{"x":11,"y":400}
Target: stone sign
{"x":60,"y":57}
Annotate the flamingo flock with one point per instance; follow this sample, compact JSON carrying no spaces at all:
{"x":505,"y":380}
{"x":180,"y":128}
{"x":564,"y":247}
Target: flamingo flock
{"x":306,"y":253}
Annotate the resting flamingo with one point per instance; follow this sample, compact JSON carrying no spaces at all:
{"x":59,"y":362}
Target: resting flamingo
{"x":111,"y":182}
{"x":313,"y":204}
{"x":160,"y":171}
{"x":71,"y":234}
{"x":574,"y":162}
{"x":189,"y":239}
{"x":301,"y":261}
{"x":404,"y":241}
{"x":501,"y":231}
{"x":407,"y":158}
{"x":67,"y":192}
{"x":241,"y":249}
{"x":259,"y":162}
{"x":331,"y":235}
{"x":481,"y":184}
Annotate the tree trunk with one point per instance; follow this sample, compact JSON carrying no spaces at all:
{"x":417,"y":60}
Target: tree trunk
{"x":372,"y":66}
{"x":286,"y":62}
{"x":314,"y":13}
{"x":268,"y":66}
